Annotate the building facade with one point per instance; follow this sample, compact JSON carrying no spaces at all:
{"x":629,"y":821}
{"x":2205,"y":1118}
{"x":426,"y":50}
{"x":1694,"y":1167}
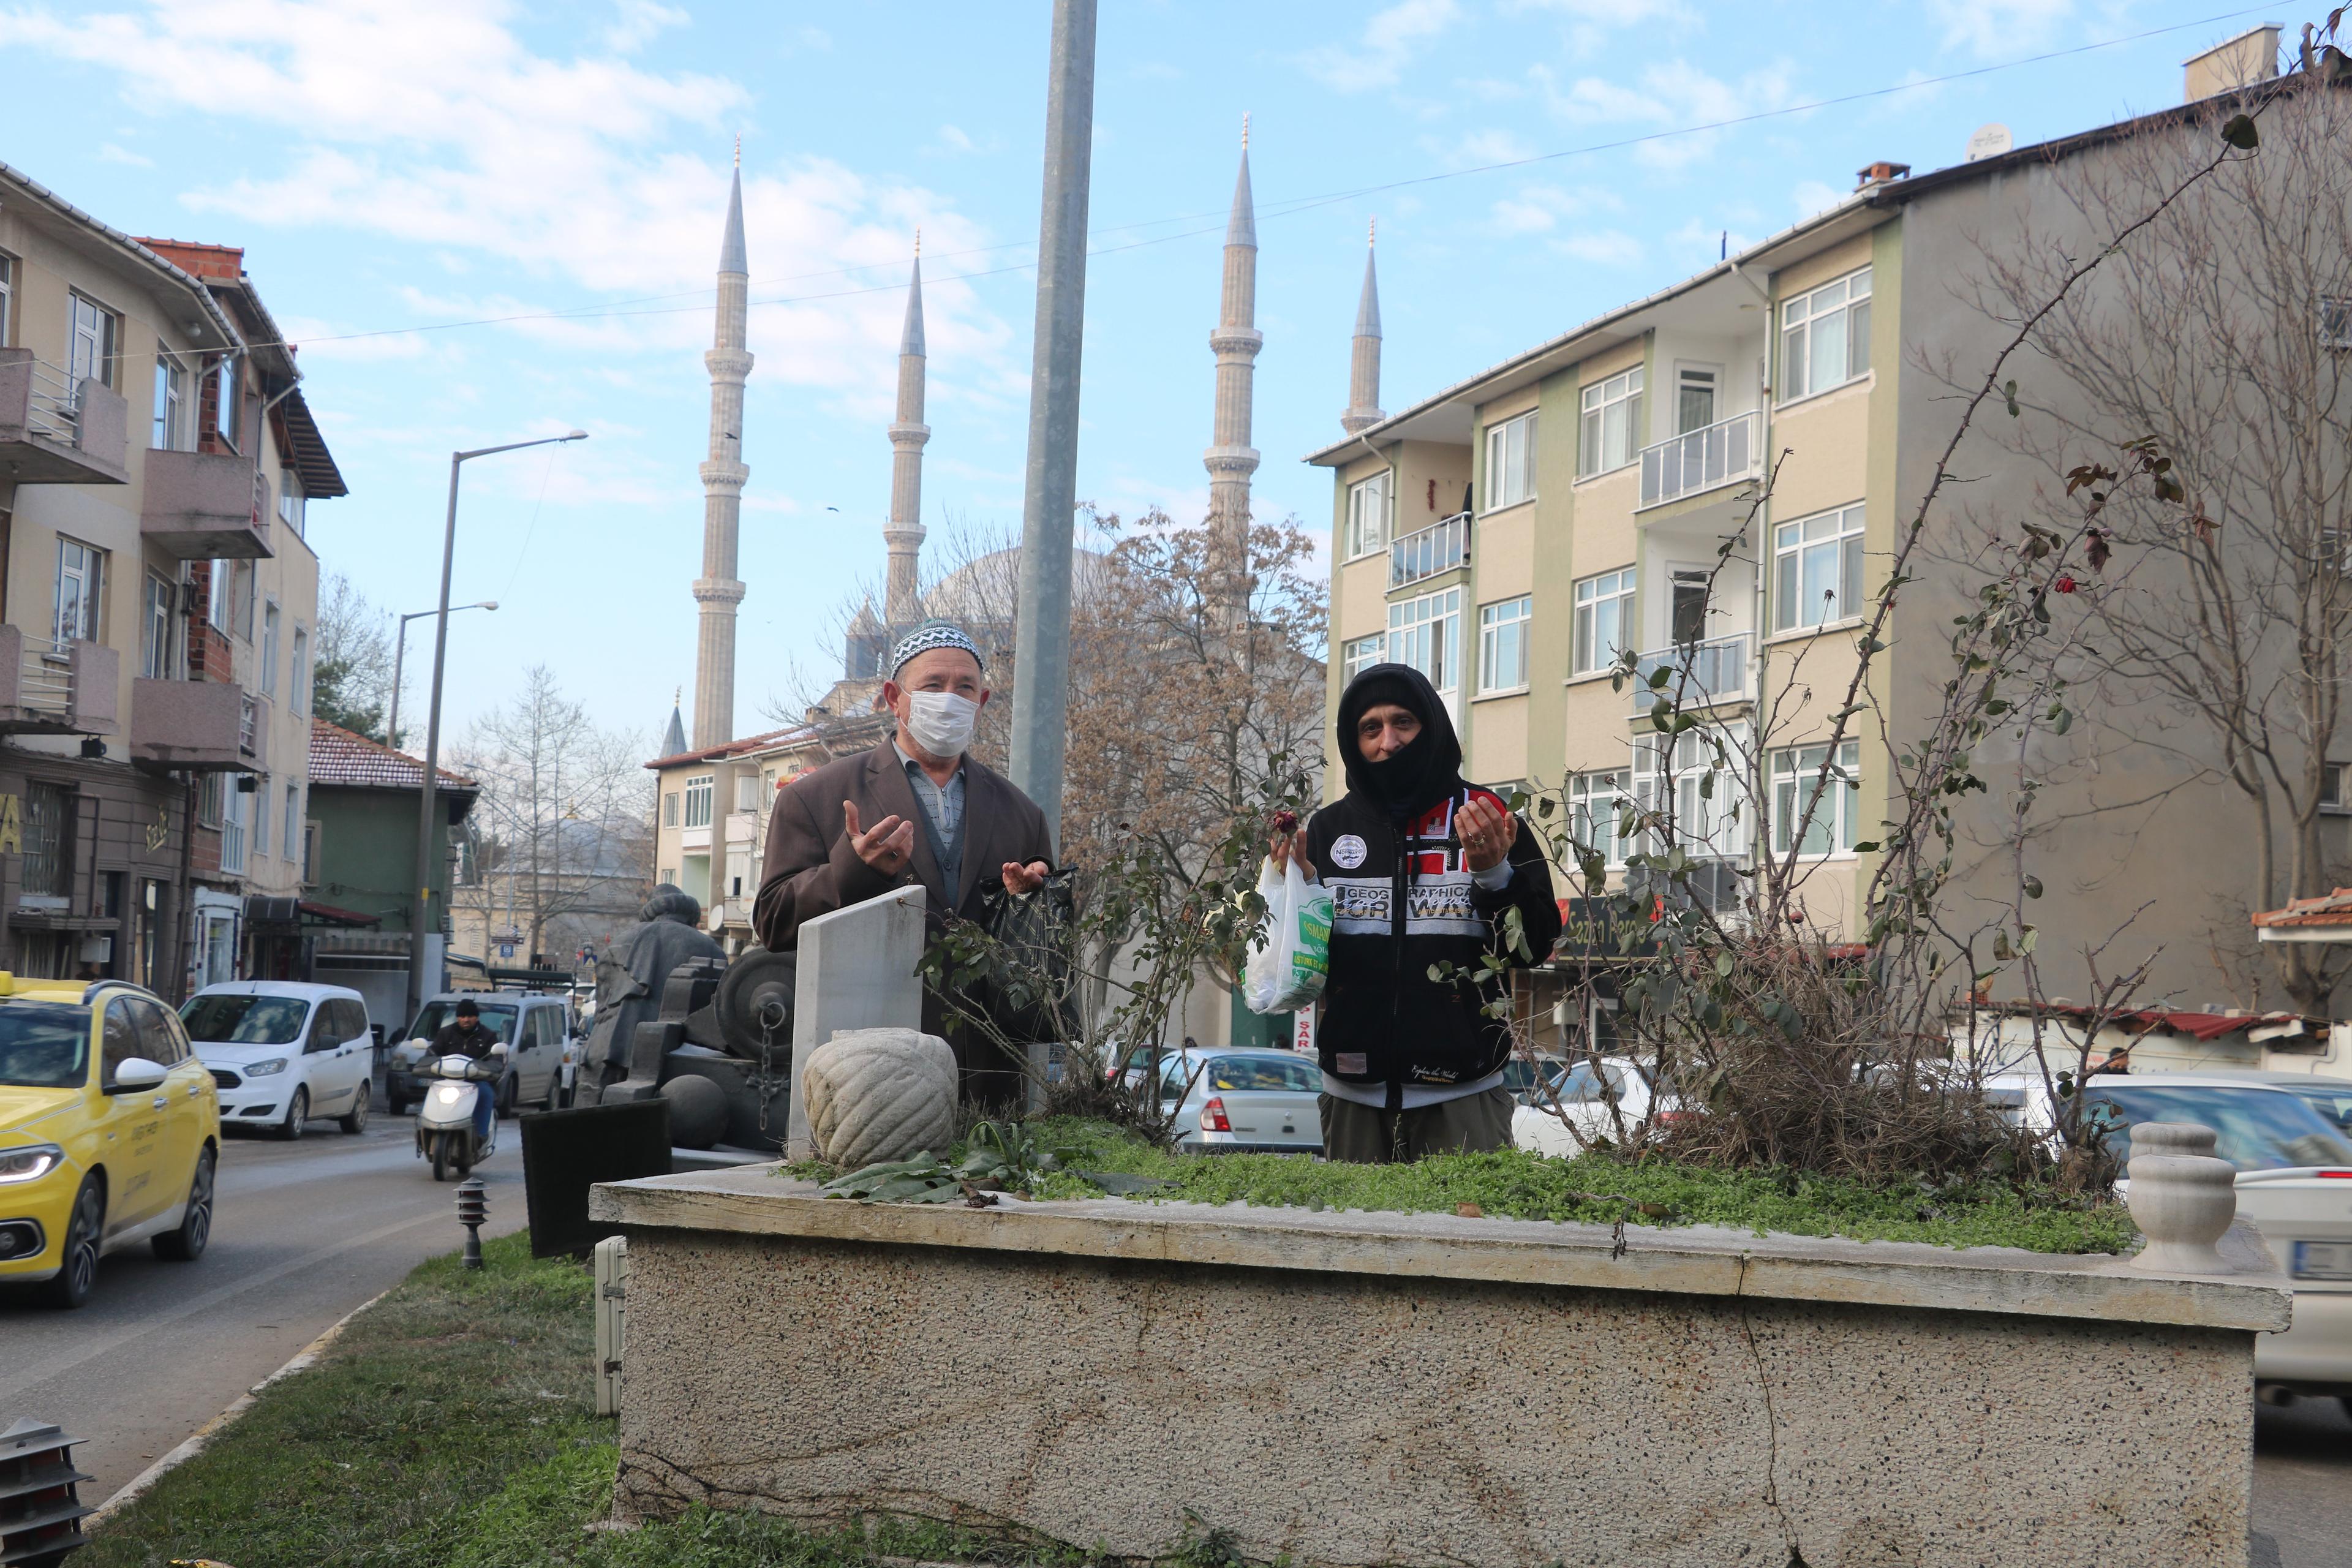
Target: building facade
{"x":156,"y":461}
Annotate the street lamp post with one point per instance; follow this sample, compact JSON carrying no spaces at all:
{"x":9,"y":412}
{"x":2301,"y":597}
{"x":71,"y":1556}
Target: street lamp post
{"x":400,"y":651}
{"x":423,"y":906}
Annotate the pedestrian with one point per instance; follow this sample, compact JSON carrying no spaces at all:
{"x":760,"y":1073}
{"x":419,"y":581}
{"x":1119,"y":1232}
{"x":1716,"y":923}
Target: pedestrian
{"x":918,"y":809}
{"x":1425,"y":870}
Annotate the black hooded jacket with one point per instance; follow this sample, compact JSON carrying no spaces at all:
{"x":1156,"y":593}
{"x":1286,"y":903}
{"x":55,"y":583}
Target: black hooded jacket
{"x":1402,"y":900}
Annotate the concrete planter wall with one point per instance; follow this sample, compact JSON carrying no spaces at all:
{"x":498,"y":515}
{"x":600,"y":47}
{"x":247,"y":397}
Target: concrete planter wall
{"x":1361,"y":1389}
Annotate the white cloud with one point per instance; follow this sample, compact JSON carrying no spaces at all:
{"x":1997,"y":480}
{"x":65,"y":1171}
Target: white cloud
{"x":1587,"y":24}
{"x":1391,"y":39}
{"x":1481,"y":148}
{"x":638,"y":22}
{"x":956,"y":139}
{"x":1998,"y":28}
{"x":108,"y":153}
{"x":1540,"y":209}
{"x":1812,"y":197}
{"x":1667,"y":96}
{"x":1604,"y":247}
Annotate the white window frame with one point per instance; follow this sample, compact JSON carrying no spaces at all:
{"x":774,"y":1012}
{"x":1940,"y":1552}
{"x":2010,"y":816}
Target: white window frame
{"x":247,"y":576}
{"x":669,"y":809}
{"x":93,"y":343}
{"x":1798,"y":545}
{"x":1511,"y":461}
{"x":1426,"y":633}
{"x":1596,"y":806}
{"x":292,"y":835}
{"x":697,"y":801}
{"x":292,"y":506}
{"x":1503,"y":628}
{"x":170,"y":428}
{"x":668,"y":878}
{"x":1796,"y":775}
{"x":261,"y":799}
{"x":159,"y":628}
{"x":1611,"y":589}
{"x":1836,"y":313}
{"x":269,"y":653}
{"x":2335,"y":319}
{"x":1371,"y":510}
{"x":1609,"y":432}
{"x":80,"y":592}
{"x":298,"y":673}
{"x":233,"y":811}
{"x":208,"y":800}
{"x":747,"y":792}
{"x":1696,"y":377}
{"x":1705,"y":825}
{"x":228,"y":400}
{"x":7,"y":295}
{"x":1358,"y":654}
{"x":220,"y":583}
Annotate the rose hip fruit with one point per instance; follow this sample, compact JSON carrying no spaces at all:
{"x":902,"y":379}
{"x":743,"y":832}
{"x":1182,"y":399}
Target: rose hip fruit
{"x":1285,"y":822}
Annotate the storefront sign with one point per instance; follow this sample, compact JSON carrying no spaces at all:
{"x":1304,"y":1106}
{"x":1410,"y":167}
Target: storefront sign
{"x":12,"y":825}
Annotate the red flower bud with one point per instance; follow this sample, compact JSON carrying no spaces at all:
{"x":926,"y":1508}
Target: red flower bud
{"x":1285,"y":822}
{"x":2064,"y":584}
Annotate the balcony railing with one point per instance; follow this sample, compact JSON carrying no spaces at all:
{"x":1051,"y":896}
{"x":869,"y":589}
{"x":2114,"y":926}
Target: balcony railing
{"x":57,"y":428}
{"x":54,"y":410}
{"x":44,"y":681}
{"x":1723,"y":453}
{"x":56,"y":688}
{"x":1440,"y":547}
{"x":1698,"y":675}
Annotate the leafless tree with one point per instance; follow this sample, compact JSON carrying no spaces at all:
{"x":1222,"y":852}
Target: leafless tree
{"x":351,"y":662}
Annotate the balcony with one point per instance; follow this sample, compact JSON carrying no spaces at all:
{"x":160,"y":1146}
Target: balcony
{"x":206,"y":506}
{"x":742,"y":827}
{"x":1724,"y":453}
{"x":1699,"y":675}
{"x":1442,"y":546}
{"x":55,"y":689}
{"x":55,"y":431}
{"x":191,"y":726}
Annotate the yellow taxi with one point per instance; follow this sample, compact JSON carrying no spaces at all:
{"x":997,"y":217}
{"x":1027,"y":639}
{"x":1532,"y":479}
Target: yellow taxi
{"x":110,"y":1133}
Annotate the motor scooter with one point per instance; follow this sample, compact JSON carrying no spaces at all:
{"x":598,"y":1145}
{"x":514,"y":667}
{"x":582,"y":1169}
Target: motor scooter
{"x":445,"y":1117}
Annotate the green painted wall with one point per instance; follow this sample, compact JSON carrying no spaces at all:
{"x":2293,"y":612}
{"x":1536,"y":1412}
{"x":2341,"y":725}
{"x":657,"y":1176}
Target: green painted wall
{"x":367,"y":851}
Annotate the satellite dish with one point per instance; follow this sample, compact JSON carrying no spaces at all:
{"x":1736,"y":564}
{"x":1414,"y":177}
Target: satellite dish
{"x":1989,"y":142}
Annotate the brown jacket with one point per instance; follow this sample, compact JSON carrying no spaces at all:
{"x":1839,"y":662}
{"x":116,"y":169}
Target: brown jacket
{"x":811,"y":870}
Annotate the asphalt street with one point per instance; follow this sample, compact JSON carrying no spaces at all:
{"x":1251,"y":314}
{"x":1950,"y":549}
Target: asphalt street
{"x":303,"y":1233}
{"x":2303,"y":1483}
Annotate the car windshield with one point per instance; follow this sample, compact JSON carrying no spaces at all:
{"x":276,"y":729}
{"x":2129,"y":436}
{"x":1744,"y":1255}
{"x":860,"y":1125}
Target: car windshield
{"x":44,"y":1044}
{"x":1579,"y":1085}
{"x":2258,"y":1129}
{"x":500,"y":1021}
{"x":1276,"y":1075}
{"x":2332,"y":1100}
{"x":222,"y":1019}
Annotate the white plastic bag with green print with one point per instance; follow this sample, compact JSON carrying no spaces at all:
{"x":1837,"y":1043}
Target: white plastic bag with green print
{"x":1292,"y":957}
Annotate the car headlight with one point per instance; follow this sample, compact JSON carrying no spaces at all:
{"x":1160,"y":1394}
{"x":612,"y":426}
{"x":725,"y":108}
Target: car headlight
{"x":263,"y":1069}
{"x":29,"y":1164}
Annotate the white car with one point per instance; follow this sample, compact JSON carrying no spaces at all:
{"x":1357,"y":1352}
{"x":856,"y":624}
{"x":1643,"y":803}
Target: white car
{"x":1243,"y":1100}
{"x":282,"y":1051}
{"x":1582,"y":1096}
{"x":2295,"y":1181}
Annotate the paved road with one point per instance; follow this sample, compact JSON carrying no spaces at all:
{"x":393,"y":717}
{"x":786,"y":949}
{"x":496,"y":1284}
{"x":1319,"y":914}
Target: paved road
{"x":2303,"y":1483}
{"x":304,"y":1232}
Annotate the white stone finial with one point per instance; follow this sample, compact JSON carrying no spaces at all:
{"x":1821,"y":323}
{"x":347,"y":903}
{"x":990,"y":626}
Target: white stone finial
{"x":2182,"y":1198}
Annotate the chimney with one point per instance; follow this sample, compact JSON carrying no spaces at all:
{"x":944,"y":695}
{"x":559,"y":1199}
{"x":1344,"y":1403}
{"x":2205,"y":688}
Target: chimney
{"x":1879,"y":174}
{"x":2241,"y":61}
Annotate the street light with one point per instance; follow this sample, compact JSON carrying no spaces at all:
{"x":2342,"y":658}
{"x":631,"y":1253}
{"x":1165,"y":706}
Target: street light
{"x":400,"y":651}
{"x":422,"y":907}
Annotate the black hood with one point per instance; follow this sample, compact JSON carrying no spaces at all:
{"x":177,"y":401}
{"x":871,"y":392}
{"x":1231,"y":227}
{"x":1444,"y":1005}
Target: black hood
{"x":1424,"y":773}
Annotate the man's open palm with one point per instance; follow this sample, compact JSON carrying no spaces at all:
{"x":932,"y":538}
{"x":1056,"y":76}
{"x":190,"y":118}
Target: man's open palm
{"x":888,"y":846}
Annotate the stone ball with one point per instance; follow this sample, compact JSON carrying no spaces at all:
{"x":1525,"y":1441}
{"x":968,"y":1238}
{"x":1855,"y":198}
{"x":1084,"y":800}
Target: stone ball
{"x":880,"y":1094}
{"x":698,"y":1111}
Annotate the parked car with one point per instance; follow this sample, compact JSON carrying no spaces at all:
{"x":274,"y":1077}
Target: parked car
{"x":1241,"y":1101}
{"x":1584,"y":1095}
{"x":534,"y":1026}
{"x":2295,"y":1181}
{"x":283,"y":1051}
{"x":2331,"y":1097}
{"x":1521,"y":1074}
{"x":110,"y":1133}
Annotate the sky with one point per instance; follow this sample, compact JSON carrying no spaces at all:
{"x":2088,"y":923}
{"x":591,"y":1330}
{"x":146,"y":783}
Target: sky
{"x":486,"y":221}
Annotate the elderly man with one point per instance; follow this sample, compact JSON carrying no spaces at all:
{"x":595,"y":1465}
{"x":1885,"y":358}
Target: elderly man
{"x":915,"y":809}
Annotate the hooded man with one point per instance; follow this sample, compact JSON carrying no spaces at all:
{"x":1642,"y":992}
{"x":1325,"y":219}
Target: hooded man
{"x":915,"y":809}
{"x":1423,"y":869}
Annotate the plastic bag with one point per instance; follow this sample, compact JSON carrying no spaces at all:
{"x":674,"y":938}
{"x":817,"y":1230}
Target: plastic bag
{"x":1287,"y":972}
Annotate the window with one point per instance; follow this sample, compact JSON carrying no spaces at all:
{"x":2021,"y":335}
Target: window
{"x":171,"y":404}
{"x":261,"y":816}
{"x":312,"y":849}
{"x":1424,"y":633}
{"x":247,"y":575}
{"x":2334,"y":316}
{"x":1595,"y":802}
{"x":1604,"y":619}
{"x":7,"y":296}
{"x":249,"y":724}
{"x":1360,"y":654}
{"x":94,"y":339}
{"x":156,"y":625}
{"x":208,"y":801}
{"x":1825,"y":337}
{"x":236,"y":812}
{"x":46,"y":870}
{"x":218,"y":578}
{"x":298,"y":676}
{"x":269,"y":649}
{"x":227,"y":398}
{"x":1503,"y":644}
{"x":1612,"y":424}
{"x":669,"y":809}
{"x":1682,"y":772}
{"x":289,"y":500}
{"x":2331,"y":788}
{"x":81,"y":570}
{"x":1817,"y":570}
{"x":747,"y":792}
{"x":1797,"y":779}
{"x":1694,"y":398}
{"x":697,"y":801}
{"x":1370,"y":505}
{"x":1510,"y":462}
{"x":668,"y":876}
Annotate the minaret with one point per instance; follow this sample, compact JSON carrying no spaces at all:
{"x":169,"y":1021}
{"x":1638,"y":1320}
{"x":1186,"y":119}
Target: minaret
{"x":716,"y":591}
{"x":1231,"y":459}
{"x":901,"y":600}
{"x":1364,"y":365}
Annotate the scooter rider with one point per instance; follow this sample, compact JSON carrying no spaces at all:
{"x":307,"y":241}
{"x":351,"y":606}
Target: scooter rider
{"x":466,"y":1037}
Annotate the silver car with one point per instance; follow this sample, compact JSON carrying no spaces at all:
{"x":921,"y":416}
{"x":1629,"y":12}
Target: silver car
{"x":1243,"y":1101}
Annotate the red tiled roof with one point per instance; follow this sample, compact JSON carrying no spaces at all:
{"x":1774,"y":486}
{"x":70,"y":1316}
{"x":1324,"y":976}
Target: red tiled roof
{"x":341,"y":757}
{"x":2196,"y":1025}
{"x":842,"y":728}
{"x":2328,"y":909}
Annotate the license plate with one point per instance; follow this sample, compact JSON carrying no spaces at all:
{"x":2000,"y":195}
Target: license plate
{"x":2323,"y":1259}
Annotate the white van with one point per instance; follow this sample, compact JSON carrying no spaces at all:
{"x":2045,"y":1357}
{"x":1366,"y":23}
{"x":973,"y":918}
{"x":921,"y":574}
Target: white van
{"x":283,"y":1051}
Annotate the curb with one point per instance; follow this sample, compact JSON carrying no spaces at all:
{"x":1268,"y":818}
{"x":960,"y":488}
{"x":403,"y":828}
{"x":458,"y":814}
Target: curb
{"x":196,"y":1443}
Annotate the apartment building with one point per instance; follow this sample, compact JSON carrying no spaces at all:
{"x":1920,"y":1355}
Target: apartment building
{"x":156,"y":458}
{"x":1605,"y":491}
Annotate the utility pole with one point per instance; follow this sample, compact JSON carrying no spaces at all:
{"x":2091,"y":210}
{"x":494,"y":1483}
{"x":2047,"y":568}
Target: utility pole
{"x":1041,"y":670}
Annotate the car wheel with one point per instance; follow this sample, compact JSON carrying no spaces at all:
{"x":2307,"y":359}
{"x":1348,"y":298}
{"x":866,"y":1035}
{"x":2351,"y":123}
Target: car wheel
{"x":554,"y":1098}
{"x":355,"y":1121}
{"x":394,"y":1107}
{"x":298,"y":1112}
{"x":77,"y":1269}
{"x":509,"y":1090}
{"x":186,"y":1244}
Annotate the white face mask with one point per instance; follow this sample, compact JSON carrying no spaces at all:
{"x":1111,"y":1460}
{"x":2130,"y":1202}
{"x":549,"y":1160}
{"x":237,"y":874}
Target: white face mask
{"x":940,"y":722}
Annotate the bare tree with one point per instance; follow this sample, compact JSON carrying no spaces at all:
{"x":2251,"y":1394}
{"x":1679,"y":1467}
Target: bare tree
{"x":351,"y":662}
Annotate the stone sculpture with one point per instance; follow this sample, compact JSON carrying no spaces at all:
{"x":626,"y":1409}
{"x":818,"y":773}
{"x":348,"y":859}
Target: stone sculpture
{"x":880,"y":1094}
{"x":2182,"y":1197}
{"x":631,"y":974}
